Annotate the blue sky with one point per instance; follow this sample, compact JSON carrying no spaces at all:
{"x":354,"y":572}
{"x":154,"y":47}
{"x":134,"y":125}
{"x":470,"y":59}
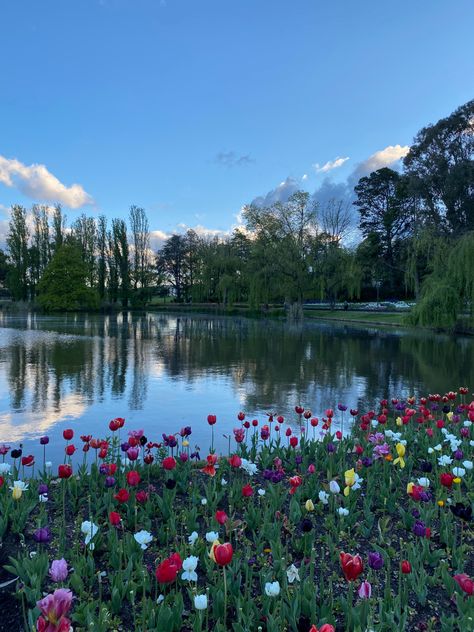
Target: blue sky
{"x":193,"y":108}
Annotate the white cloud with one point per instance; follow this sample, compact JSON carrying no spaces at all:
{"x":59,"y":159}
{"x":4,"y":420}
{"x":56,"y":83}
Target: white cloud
{"x":281,"y":193}
{"x":383,"y":158}
{"x":36,"y":182}
{"x":330,"y":165}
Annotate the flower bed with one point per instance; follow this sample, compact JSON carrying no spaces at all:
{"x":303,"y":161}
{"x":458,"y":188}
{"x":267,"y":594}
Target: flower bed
{"x":365,"y":531}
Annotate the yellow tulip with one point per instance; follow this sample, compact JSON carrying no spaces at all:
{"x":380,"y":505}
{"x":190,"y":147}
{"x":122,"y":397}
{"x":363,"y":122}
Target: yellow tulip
{"x":185,"y":443}
{"x":440,"y":503}
{"x":17,"y":492}
{"x":400,"y":448}
{"x":309,"y":505}
{"x":450,"y":416}
{"x":399,"y":421}
{"x":410,"y":487}
{"x":349,"y":477}
{"x":211,"y":552}
{"x":456,"y":480}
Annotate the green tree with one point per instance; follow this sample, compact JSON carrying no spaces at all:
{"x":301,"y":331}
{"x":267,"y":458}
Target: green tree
{"x":441,"y":163}
{"x":121,"y":257}
{"x":17,"y":243}
{"x":383,"y":213}
{"x":64,"y":284}
{"x":171,"y":262}
{"x":59,"y":227}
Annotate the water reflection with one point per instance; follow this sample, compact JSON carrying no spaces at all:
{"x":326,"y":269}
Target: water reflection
{"x":161,"y":370}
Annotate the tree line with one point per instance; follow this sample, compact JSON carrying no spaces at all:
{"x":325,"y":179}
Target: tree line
{"x":415,"y":229}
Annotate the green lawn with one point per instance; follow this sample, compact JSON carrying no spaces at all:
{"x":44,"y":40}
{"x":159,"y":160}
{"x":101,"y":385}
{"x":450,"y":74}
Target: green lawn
{"x":384,"y":318}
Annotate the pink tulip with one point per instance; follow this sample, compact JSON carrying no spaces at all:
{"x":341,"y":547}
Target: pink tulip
{"x":365,"y":590}
{"x":54,"y":608}
{"x":58,"y":571}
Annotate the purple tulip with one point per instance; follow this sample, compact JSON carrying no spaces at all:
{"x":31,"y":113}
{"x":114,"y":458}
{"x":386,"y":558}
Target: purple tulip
{"x":331,"y":447}
{"x":458,"y":455}
{"x":109,"y":481}
{"x":59,"y":570}
{"x":42,"y":535}
{"x":42,"y":488}
{"x":44,"y":440}
{"x":419,"y":529}
{"x":375,"y":560}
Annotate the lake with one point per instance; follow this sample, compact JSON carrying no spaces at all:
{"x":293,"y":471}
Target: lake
{"x":164,"y":371}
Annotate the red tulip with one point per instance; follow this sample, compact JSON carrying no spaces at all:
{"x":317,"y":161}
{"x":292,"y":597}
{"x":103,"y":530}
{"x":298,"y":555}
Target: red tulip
{"x":326,"y":627}
{"x":148,"y":459}
{"x":108,"y":468}
{"x":133,"y":478}
{"x":247,"y":491}
{"x":141,"y":497}
{"x":70,"y":449}
{"x":299,"y":410}
{"x":2,"y":480}
{"x":314,"y":422}
{"x":168,"y":570}
{"x":221,"y":517}
{"x":114,"y":425}
{"x":235,"y":460}
{"x":338,"y":435}
{"x":222,"y":553}
{"x":406,"y":567}
{"x":254,"y":423}
{"x":211,"y":419}
{"x":122,"y":495}
{"x":114,"y":518}
{"x":246,"y":424}
{"x":68,"y":434}
{"x":446,"y":480}
{"x":465,"y":583}
{"x":288,"y":432}
{"x":241,"y":416}
{"x":169,"y":463}
{"x":28,"y":460}
{"x":102,"y":453}
{"x":352,"y":566}
{"x":64,"y":471}
{"x":295,"y":482}
{"x":132,"y":442}
{"x":293,"y":442}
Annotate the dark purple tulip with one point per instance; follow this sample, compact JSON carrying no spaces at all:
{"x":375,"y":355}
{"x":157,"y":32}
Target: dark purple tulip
{"x":456,"y":419}
{"x":434,"y":407}
{"x":15,"y":454}
{"x":42,"y":535}
{"x":375,"y":560}
{"x":446,"y":409}
{"x":124,"y":447}
{"x":331,"y":447}
{"x":44,"y":440}
{"x":341,"y":407}
{"x":298,"y":459}
{"x":109,"y":481}
{"x":252,"y":561}
{"x":458,"y":455}
{"x":367,"y":461}
{"x":419,"y":529}
{"x":415,"y":513}
{"x":42,"y":488}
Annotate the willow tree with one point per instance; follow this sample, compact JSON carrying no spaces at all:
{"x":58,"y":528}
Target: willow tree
{"x":285,"y":231}
{"x":449,"y":290}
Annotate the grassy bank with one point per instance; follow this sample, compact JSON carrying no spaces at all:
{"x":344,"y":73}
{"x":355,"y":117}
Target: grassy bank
{"x":372,"y":318}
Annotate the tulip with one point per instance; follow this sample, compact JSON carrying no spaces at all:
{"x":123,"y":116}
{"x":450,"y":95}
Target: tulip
{"x":114,"y":518}
{"x":168,"y":570}
{"x":221,"y":517}
{"x":169,"y":463}
{"x":122,"y":496}
{"x":54,"y":608}
{"x":70,"y":449}
{"x":352,"y":566}
{"x":58,"y":570}
{"x":222,"y":553}
{"x":200,"y":602}
{"x":365,"y":590}
{"x":211,"y":419}
{"x":375,"y":560}
{"x":64,"y":471}
{"x":235,"y":460}
{"x":272,"y":589}
{"x":189,"y":568}
{"x":143,"y":538}
{"x":68,"y":434}
{"x":400,"y":448}
{"x":406,"y":567}
{"x":309,"y":505}
{"x":247,"y":491}
{"x":133,"y":478}
{"x":42,"y":535}
{"x":465,"y":583}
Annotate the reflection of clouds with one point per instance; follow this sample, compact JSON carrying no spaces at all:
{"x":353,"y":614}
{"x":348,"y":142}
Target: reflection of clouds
{"x":35,"y":425}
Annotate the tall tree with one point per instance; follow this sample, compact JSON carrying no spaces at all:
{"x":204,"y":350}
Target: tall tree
{"x":285,"y":230}
{"x":59,"y":227}
{"x":101,"y":255}
{"x":382,"y":212}
{"x":171,"y":261}
{"x":17,"y":242}
{"x":141,"y":270}
{"x":84,"y":230}
{"x":122,"y":258}
{"x":441,"y":162}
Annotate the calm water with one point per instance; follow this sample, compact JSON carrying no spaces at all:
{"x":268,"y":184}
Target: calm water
{"x":161,"y":372}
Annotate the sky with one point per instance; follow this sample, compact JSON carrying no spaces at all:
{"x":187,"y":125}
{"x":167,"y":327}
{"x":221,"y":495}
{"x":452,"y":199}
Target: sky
{"x":193,"y":108}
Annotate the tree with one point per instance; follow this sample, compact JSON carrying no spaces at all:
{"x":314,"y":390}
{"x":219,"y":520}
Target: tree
{"x":140,"y":228}
{"x":383,"y":213}
{"x":285,"y":231}
{"x":441,"y":163}
{"x":17,"y":242}
{"x":63,"y":286}
{"x":171,"y":261}
{"x":121,"y":258}
{"x":101,"y":255}
{"x":84,"y":230}
{"x":59,"y":227}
